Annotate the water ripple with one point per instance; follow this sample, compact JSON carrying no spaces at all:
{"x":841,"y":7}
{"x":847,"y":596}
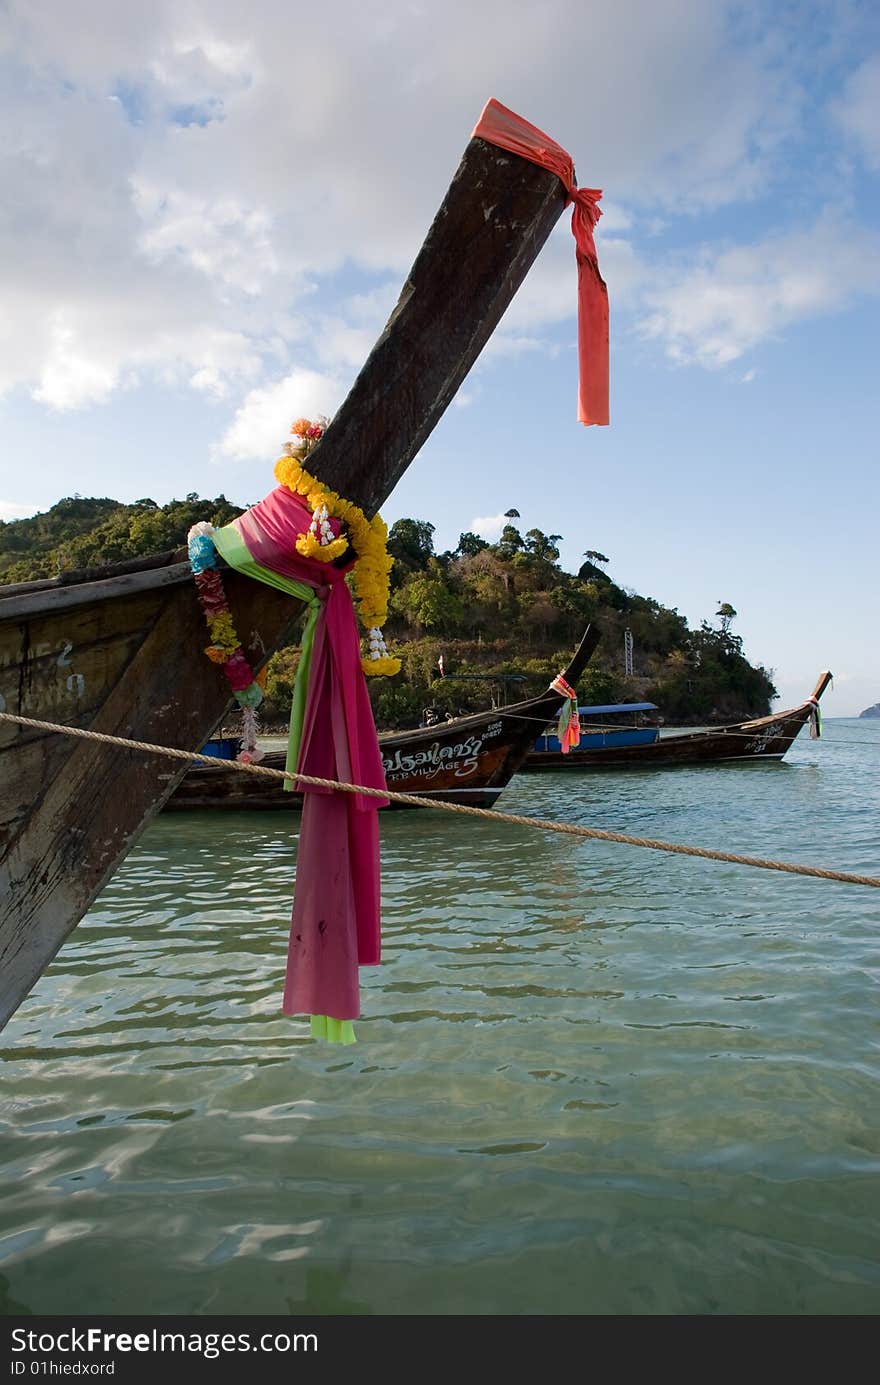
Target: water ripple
{"x":589,"y":1078}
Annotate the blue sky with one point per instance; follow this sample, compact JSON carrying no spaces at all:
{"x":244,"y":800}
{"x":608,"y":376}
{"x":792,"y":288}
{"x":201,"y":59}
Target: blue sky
{"x":209,"y":209}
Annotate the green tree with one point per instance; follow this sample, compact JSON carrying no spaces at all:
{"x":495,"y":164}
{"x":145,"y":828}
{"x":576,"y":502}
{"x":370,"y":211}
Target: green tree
{"x":411,"y":543}
{"x":469,"y":545}
{"x":511,"y":542}
{"x":727,"y":614}
{"x":81,"y":533}
{"x":538,"y":613}
{"x":542,"y":546}
{"x":426,"y":602}
{"x":589,"y":572}
{"x":577,"y":606}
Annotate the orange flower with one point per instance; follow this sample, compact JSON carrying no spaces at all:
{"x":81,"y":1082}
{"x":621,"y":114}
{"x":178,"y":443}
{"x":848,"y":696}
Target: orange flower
{"x":301,"y":427}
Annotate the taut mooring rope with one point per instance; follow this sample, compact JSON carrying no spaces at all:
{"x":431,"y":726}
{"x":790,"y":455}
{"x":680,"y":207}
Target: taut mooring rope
{"x":542,"y":824}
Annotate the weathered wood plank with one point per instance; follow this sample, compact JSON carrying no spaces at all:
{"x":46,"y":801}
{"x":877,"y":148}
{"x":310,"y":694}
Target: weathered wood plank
{"x":91,"y":814}
{"x":65,"y":598}
{"x":72,"y":576}
{"x":59,"y":667}
{"x":497,"y":214}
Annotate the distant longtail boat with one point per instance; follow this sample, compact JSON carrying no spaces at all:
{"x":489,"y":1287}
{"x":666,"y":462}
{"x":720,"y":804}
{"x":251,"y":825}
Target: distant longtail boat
{"x":617,"y":746}
{"x":469,"y":759}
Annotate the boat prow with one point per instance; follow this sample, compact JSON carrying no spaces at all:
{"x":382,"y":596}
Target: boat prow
{"x":121,"y":652}
{"x":469,"y":759}
{"x":756,"y":741}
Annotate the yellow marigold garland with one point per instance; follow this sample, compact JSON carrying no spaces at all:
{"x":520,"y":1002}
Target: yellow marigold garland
{"x":368,"y":538}
{"x":223,"y":634}
{"x":310,"y":546}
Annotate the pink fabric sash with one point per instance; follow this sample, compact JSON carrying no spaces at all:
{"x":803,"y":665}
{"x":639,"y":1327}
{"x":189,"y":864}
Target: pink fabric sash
{"x":335,"y":922}
{"x":503,"y":127}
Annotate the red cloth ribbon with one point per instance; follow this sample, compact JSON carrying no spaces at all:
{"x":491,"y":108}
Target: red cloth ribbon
{"x":569,"y":729}
{"x":504,"y":128}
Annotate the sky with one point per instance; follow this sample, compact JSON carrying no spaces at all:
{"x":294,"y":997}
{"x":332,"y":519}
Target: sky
{"x":209,"y":208}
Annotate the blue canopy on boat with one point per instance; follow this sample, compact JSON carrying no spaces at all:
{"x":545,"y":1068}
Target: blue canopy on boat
{"x":619,"y":707}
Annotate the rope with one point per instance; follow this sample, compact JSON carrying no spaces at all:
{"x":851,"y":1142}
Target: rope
{"x":542,"y":824}
{"x":549,"y":721}
{"x":844,"y":740}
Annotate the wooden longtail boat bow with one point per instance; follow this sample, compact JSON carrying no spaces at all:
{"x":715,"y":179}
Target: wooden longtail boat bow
{"x":122,"y":653}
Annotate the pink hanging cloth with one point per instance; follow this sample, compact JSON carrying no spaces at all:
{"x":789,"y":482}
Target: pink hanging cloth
{"x":503,"y":127}
{"x":335,"y":924}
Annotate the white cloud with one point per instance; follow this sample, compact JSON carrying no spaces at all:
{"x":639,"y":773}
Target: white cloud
{"x":184,"y":183}
{"x":230,"y":244}
{"x":549,"y":293}
{"x":196,"y":68}
{"x":86,"y":311}
{"x":262,"y":423}
{"x":10,"y":510}
{"x":713,"y":312}
{"x":859,"y":109}
{"x":506,"y":343}
{"x":748,"y":377}
{"x":488,"y":526}
{"x":615,"y":218}
{"x":69,"y":377}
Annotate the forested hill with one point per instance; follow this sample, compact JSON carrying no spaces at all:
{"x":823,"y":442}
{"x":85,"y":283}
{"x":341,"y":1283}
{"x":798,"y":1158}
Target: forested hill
{"x":80,"y":532}
{"x":505,"y":607}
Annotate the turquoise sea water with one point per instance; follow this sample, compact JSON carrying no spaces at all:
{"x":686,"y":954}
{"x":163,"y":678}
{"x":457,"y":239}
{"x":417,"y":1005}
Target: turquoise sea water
{"x":589,"y":1078}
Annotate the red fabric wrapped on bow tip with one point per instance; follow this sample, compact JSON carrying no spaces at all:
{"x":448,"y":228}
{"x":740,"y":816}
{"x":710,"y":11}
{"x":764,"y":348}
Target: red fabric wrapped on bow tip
{"x":504,"y":128}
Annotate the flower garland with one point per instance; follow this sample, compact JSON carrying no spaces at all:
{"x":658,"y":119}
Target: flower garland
{"x":368,"y":538}
{"x":225,"y":647}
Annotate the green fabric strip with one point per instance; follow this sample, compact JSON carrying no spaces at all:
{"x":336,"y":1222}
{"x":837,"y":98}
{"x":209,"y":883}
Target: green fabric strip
{"x":336,"y":1031}
{"x":300,"y":688}
{"x":231,"y":546}
{"x":564,"y":719}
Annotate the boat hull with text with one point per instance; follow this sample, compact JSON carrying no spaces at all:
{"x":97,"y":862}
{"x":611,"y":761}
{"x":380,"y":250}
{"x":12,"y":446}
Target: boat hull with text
{"x":467,"y":760}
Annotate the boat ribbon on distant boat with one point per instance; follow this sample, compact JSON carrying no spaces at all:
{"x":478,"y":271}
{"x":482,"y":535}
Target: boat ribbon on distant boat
{"x":335,"y":921}
{"x":504,"y":128}
{"x":569,"y":729}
